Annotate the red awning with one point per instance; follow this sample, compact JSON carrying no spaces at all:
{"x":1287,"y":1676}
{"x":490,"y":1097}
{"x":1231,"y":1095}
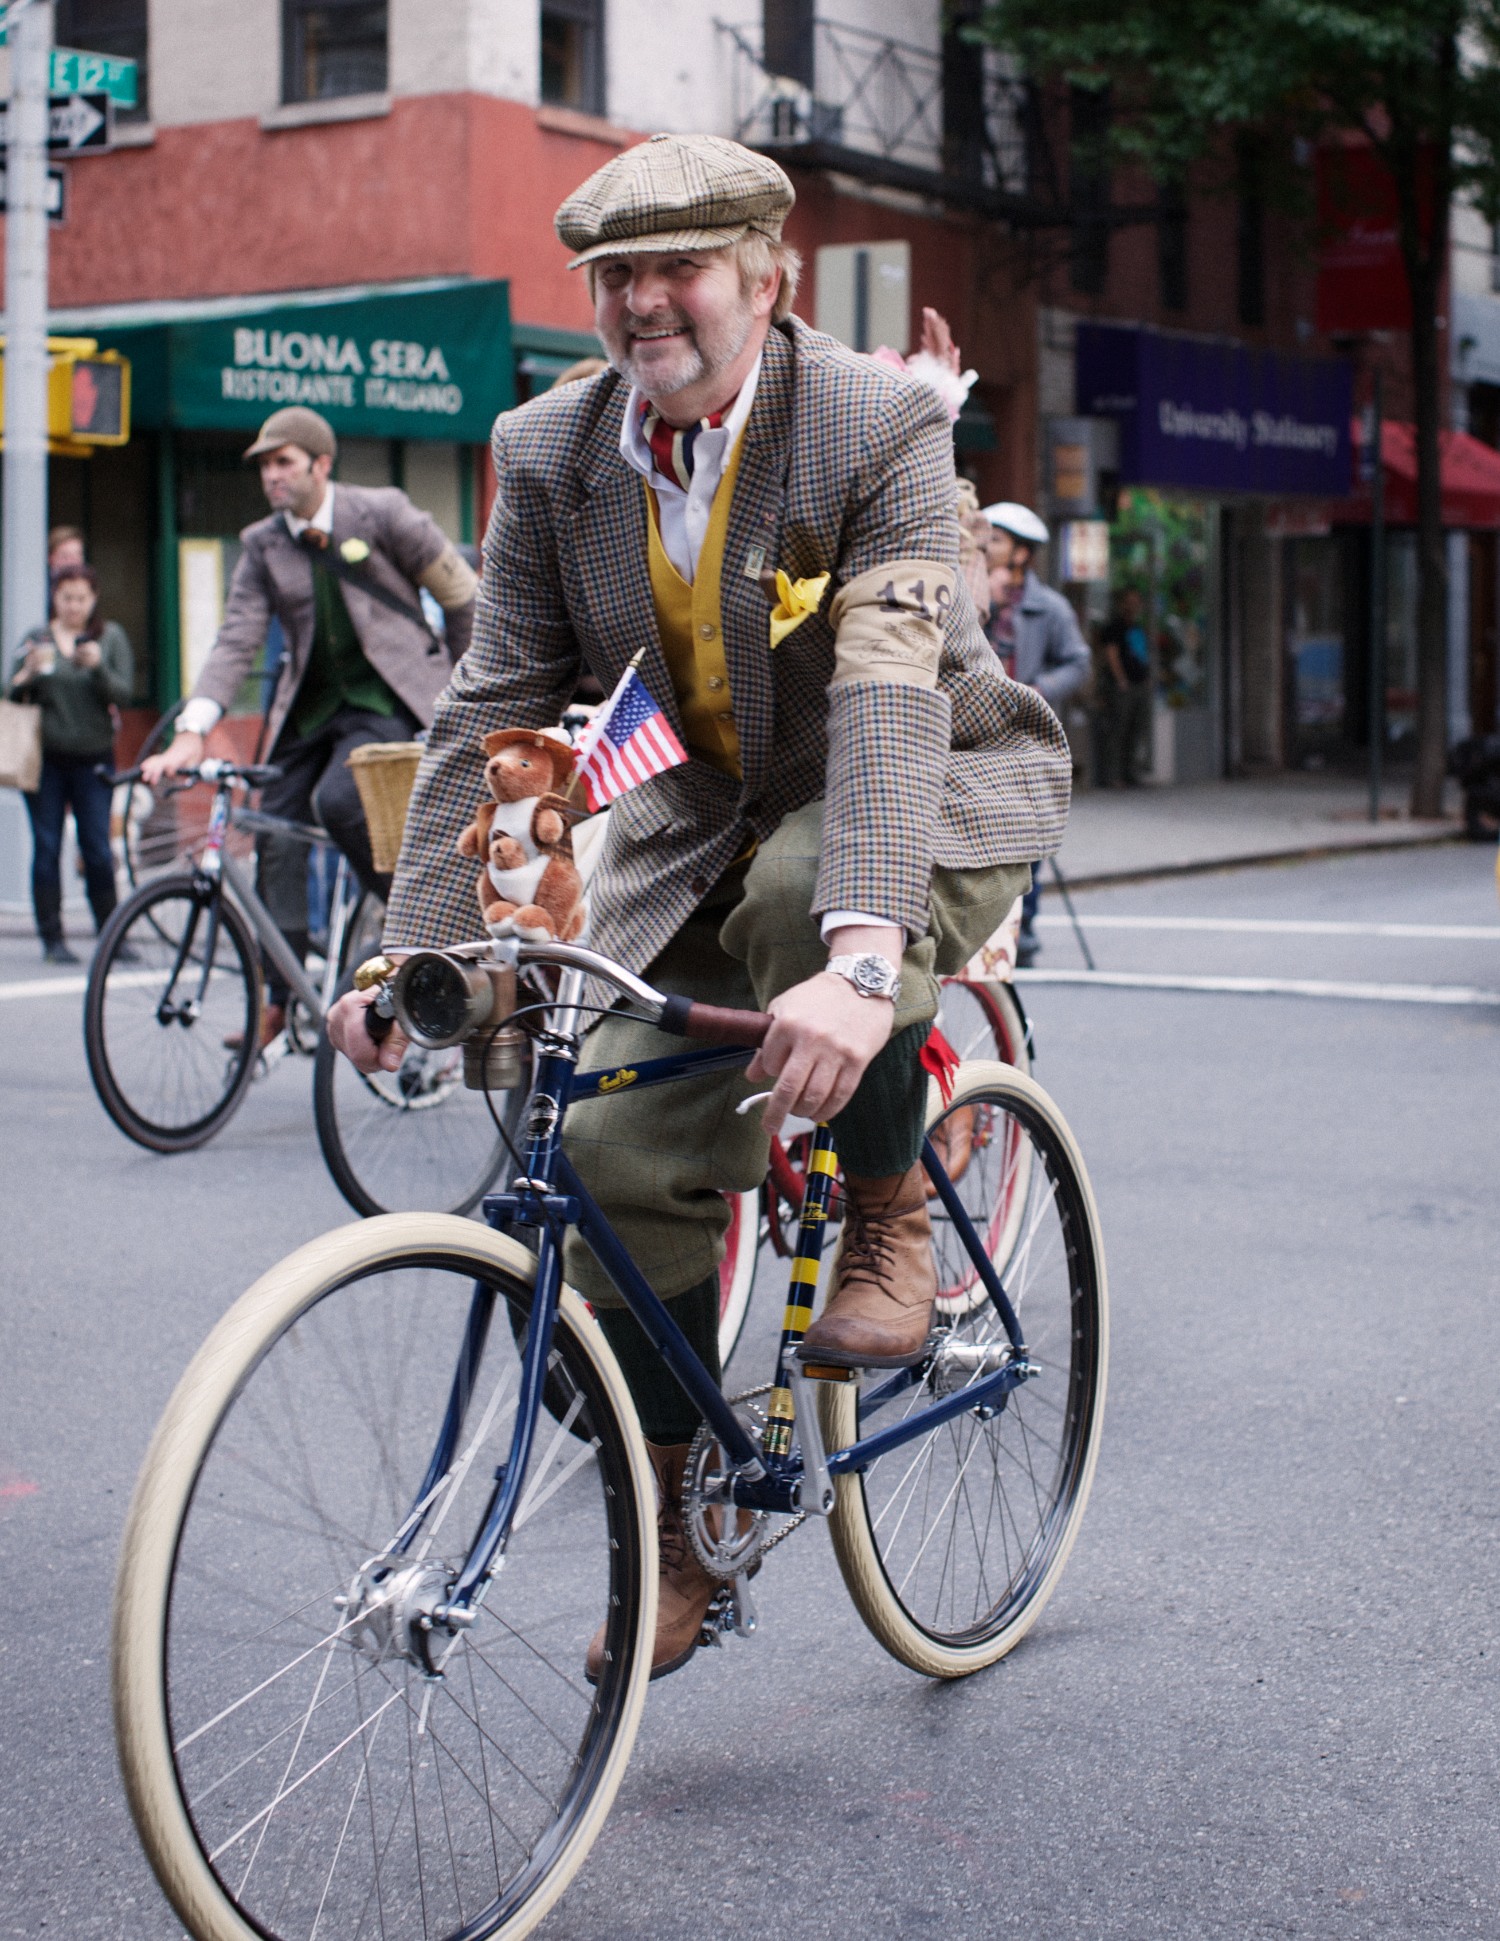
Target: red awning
{"x":1470,"y":473}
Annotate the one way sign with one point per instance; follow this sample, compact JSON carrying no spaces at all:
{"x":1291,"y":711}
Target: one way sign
{"x":75,"y":122}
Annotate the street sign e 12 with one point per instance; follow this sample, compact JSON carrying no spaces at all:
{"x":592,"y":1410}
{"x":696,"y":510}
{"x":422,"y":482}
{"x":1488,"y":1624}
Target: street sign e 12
{"x":76,"y":71}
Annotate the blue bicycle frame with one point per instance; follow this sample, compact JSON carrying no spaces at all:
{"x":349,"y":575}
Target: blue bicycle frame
{"x":548,"y":1197}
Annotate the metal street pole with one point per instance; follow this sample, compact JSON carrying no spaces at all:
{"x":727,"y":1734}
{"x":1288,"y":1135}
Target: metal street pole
{"x":1377,"y":593}
{"x":23,"y":547}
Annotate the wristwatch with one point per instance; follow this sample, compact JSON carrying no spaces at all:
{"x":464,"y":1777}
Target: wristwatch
{"x":871,"y":974}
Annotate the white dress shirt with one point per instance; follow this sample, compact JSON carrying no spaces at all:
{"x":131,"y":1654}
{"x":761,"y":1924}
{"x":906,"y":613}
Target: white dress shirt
{"x":200,"y":714}
{"x":683,"y":515}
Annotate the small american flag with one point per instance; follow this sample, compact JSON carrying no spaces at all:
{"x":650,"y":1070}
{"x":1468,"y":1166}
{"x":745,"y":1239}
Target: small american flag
{"x":626,"y":743}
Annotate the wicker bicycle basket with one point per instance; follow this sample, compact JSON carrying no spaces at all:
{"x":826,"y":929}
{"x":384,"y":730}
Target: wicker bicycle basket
{"x":384,"y":772}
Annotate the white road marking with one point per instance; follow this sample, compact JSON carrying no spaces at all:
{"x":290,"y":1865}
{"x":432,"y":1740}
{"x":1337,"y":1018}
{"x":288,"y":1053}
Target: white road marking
{"x":75,"y":986}
{"x":1452,"y":994}
{"x":1285,"y":927}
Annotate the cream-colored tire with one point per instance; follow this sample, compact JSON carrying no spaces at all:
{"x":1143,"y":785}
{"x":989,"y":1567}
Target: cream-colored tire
{"x":256,"y":1495}
{"x":952,"y":1541}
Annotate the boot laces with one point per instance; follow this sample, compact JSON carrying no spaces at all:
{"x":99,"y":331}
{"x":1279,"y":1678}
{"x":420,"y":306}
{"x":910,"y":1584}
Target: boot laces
{"x":869,"y":1246}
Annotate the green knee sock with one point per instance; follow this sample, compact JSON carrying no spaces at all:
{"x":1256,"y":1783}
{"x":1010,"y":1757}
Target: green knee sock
{"x":879,"y":1131}
{"x":666,"y":1414}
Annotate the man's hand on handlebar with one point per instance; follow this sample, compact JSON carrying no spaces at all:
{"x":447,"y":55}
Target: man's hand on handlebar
{"x":824,"y":1037}
{"x":186,"y":752}
{"x":347,"y":1033}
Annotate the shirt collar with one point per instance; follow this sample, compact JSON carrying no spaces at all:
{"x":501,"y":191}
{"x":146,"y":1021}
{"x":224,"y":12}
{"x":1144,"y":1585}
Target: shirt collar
{"x":321,"y":521}
{"x":637,"y":453}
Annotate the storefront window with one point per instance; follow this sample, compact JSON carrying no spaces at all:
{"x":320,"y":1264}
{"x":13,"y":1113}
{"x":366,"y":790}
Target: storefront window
{"x":1315,"y":636}
{"x":1160,"y":547}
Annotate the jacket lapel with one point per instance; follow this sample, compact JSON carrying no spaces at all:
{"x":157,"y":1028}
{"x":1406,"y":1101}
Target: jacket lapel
{"x":752,"y":549}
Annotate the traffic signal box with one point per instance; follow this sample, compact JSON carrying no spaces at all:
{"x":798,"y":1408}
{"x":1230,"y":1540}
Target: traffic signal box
{"x":88,"y":396}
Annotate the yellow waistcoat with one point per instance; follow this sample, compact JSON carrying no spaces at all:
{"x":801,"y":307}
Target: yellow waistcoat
{"x":690,"y":623}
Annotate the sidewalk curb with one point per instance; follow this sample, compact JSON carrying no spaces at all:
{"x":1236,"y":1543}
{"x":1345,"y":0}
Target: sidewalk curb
{"x":1258,"y":859}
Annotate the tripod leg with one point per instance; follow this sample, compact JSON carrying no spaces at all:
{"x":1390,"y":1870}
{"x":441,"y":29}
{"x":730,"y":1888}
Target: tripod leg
{"x":1083,"y":942}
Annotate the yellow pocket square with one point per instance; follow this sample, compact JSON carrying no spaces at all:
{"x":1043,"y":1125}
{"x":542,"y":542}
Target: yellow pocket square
{"x":795,"y":600}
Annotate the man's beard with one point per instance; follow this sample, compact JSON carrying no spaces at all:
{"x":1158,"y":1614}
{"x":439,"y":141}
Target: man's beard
{"x":702,"y":353}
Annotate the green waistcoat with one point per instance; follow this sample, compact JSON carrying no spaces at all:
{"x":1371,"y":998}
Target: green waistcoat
{"x":338,"y":675}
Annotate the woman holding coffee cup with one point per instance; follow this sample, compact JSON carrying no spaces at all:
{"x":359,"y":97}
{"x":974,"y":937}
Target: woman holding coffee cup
{"x":73,"y":669}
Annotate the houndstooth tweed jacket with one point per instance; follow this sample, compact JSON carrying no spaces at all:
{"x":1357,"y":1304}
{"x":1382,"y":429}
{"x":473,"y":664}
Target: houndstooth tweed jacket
{"x":845,"y":466}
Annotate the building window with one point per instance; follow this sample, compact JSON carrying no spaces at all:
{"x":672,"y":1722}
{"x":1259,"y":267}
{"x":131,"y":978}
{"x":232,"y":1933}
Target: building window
{"x":115,"y":27}
{"x":1172,"y":246}
{"x":963,"y":95}
{"x":573,"y":54}
{"x":1088,"y":188}
{"x":787,"y":40}
{"x":332,"y":47}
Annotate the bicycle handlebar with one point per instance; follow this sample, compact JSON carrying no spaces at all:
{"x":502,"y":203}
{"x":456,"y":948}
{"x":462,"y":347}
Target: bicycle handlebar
{"x":715,"y":1024}
{"x":254,"y":775}
{"x":683,"y":1017}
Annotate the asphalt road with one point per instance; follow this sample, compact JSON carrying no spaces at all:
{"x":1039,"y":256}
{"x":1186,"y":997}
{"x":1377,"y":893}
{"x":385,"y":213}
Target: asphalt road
{"x":1262,"y":1701}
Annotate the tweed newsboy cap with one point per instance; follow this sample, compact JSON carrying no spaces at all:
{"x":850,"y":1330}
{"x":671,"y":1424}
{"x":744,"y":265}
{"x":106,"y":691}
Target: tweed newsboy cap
{"x":675,"y":192}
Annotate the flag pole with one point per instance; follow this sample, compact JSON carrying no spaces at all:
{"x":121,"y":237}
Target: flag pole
{"x":588,"y":740}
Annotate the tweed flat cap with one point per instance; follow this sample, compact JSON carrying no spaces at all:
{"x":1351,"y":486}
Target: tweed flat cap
{"x":295,"y":424}
{"x":675,"y":192}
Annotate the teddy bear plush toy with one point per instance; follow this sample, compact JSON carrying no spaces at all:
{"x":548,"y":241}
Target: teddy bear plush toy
{"x":530,"y":887}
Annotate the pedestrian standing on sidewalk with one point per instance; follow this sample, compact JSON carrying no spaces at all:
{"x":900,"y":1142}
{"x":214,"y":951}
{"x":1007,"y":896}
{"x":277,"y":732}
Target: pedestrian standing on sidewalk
{"x":1124,"y":692}
{"x":73,"y":669}
{"x":1035,"y":632}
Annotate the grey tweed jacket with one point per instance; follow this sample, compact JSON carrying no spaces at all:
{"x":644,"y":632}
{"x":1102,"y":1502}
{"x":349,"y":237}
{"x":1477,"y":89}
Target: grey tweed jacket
{"x":845,"y":466}
{"x":275,"y":576}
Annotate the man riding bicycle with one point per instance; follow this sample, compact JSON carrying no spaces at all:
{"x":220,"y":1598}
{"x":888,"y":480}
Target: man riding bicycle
{"x":769,"y":518}
{"x":342,"y":567}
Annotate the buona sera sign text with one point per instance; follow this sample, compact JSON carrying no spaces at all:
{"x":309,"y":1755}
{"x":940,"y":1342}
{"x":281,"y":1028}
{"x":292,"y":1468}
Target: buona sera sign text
{"x":303,"y":367}
{"x":425,"y":364}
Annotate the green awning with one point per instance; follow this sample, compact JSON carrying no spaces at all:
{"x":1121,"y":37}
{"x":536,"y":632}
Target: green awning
{"x":427,"y":360}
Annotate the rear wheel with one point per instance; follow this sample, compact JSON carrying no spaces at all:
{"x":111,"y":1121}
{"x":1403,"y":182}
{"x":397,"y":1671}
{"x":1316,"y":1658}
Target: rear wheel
{"x":172,"y":1014}
{"x":308,"y":1749}
{"x":951,"y":1542}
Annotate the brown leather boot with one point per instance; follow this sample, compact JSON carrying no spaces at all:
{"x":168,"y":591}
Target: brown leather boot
{"x":880,"y":1313}
{"x":684,"y":1588}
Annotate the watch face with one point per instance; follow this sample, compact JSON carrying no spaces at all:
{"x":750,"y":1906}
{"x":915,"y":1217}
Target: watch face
{"x":871,"y":975}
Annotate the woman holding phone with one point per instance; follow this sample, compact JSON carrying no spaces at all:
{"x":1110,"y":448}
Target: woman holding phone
{"x":73,"y":669}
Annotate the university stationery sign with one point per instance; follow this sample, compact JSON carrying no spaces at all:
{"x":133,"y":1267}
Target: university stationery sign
{"x":425,"y":364}
{"x":1217,"y":417}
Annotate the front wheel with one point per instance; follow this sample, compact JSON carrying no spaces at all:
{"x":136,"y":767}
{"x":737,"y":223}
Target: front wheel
{"x":171,"y":1018}
{"x":952,"y":1541}
{"x":306,"y":1748}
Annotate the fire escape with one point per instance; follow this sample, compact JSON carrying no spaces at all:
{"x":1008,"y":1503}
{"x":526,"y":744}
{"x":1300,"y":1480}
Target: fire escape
{"x":956,"y":123}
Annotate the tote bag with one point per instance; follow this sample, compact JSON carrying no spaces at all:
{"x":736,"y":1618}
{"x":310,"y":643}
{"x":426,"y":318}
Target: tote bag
{"x":20,"y":746}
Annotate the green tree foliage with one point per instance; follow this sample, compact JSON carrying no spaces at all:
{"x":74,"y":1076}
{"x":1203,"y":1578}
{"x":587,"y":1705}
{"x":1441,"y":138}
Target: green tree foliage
{"x":1418,"y":79}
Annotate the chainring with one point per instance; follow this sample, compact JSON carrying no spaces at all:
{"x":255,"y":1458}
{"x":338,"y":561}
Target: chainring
{"x":703,"y":1479}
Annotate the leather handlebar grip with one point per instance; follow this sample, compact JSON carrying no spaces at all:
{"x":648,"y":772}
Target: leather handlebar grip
{"x":714,"y":1024}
